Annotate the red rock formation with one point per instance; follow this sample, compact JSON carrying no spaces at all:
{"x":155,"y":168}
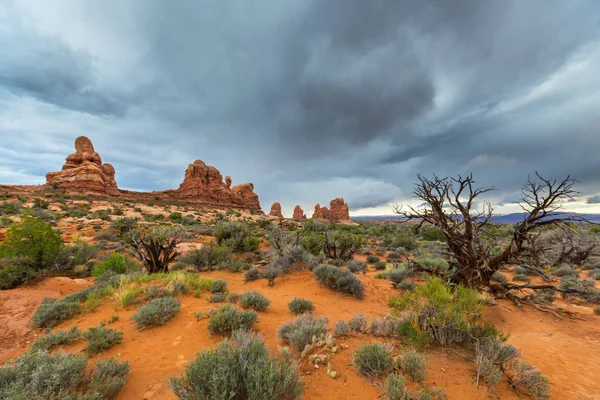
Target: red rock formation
{"x":299,"y":214}
{"x":204,"y":184}
{"x":276,"y":210}
{"x":84,"y":171}
{"x":337,"y":211}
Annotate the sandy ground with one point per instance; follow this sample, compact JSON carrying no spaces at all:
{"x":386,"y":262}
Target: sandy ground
{"x":567,"y":351}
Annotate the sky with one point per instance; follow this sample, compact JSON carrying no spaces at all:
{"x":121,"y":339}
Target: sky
{"x":309,"y":100}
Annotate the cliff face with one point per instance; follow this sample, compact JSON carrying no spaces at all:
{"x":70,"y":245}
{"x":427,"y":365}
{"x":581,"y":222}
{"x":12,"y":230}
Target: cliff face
{"x":84,"y":171}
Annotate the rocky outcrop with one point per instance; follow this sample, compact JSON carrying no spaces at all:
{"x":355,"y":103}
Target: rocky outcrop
{"x":83,"y":171}
{"x":276,"y":210}
{"x":337,"y":211}
{"x":203,"y":184}
{"x":299,"y":214}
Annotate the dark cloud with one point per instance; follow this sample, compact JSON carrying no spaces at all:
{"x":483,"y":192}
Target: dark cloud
{"x":310,"y":100}
{"x":594,"y":199}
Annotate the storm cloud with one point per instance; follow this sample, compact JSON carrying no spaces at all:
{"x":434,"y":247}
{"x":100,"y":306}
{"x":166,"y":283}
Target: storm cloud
{"x":310,"y":100}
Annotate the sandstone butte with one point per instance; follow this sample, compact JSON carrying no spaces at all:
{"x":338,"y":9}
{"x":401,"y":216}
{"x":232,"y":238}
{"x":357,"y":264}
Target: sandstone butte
{"x":276,"y":210}
{"x":337,"y":211}
{"x":299,"y":214}
{"x":203,"y":184}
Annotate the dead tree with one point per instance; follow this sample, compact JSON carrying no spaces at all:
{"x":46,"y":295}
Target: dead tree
{"x":450,"y":204}
{"x":157,"y":247}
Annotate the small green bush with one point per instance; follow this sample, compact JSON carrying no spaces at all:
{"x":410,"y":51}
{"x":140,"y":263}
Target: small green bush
{"x":499,"y":277}
{"x":301,"y":331}
{"x":521,"y":278}
{"x":595,"y":274}
{"x":339,"y":280}
{"x":252,"y":274}
{"x":34,"y":240}
{"x":228,"y":319}
{"x":565,"y":271}
{"x":41,"y":375}
{"x":371,"y":259}
{"x":52,"y":312}
{"x":240,"y":369}
{"x":56,"y":339}
{"x":358,"y":323}
{"x":100,"y":338}
{"x":301,"y":306}
{"x":208,"y":257}
{"x":156,"y":312}
{"x":528,"y":379}
{"x":118,"y":263}
{"x":520,"y":270}
{"x":219,"y":286}
{"x":414,"y":364}
{"x":356,"y":266}
{"x":395,"y":389}
{"x":217,"y":298}
{"x":373,"y":360}
{"x":254,"y":300}
{"x":597,"y":310}
{"x":236,"y":235}
{"x":12,"y":276}
{"x":380,"y":265}
{"x":341,"y":328}
{"x":405,"y":285}
{"x":397,"y":275}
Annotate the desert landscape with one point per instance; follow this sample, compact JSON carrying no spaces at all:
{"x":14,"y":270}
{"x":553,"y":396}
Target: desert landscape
{"x":185,"y":293}
{"x":299,"y":199}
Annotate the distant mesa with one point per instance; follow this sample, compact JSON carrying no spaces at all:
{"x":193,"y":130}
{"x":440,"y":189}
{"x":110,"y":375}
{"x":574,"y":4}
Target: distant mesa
{"x":299,"y":214}
{"x":337,"y":211}
{"x":276,"y":210}
{"x":84,"y":171}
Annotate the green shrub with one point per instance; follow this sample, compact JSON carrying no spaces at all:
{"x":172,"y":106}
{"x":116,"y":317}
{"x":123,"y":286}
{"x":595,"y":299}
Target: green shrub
{"x":10,"y":208}
{"x":597,"y":310}
{"x":233,"y":298}
{"x":406,"y":242}
{"x":236,"y":235}
{"x":358,"y":323}
{"x":395,"y":389}
{"x":156,"y":312}
{"x":217,"y":298}
{"x":52,"y":312}
{"x":341,"y":328}
{"x":499,"y":277}
{"x":397,"y":275}
{"x":41,"y":375}
{"x":100,"y":338}
{"x":41,"y":203}
{"x":219,"y":286}
{"x":12,"y":276}
{"x":339,"y":280}
{"x":373,"y":360}
{"x":385,"y":327}
{"x":301,"y":306}
{"x":33,"y":239}
{"x":240,"y":369}
{"x":356,"y":266}
{"x":380,"y":265}
{"x":118,"y":263}
{"x":440,"y":313}
{"x":301,"y":331}
{"x":433,"y":234}
{"x":208,"y":257}
{"x":252,"y":274}
{"x":270,"y":273}
{"x":492,"y":358}
{"x":341,"y":245}
{"x":520,"y":270}
{"x":414,"y":364}
{"x":528,"y":379}
{"x":595,"y":274}
{"x":254,"y":300}
{"x":371,"y":259}
{"x":77,"y":254}
{"x":56,"y":339}
{"x":228,"y":319}
{"x":565,"y":271}
{"x":405,"y":285}
{"x":521,"y":278}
